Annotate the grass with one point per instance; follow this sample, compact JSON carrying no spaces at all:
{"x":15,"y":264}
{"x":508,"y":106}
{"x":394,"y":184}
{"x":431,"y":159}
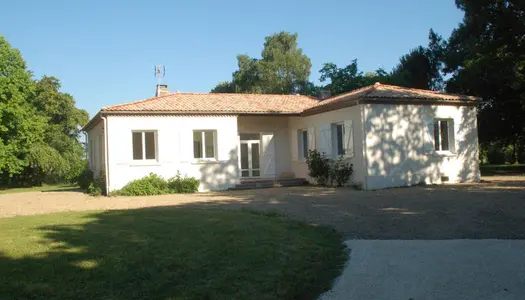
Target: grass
{"x":166,"y":253}
{"x":507,"y":169}
{"x":43,"y":188}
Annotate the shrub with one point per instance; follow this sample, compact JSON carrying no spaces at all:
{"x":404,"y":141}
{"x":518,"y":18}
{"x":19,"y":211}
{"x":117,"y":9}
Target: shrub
{"x":325,"y":170}
{"x":318,"y":166}
{"x":97,"y":186}
{"x":152,"y":184}
{"x":85,"y":179}
{"x":341,"y":170}
{"x":179,"y":184}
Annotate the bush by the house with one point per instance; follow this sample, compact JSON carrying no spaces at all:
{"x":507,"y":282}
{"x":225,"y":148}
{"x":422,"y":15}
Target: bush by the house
{"x":85,"y":178}
{"x":326,"y":171}
{"x":340,"y":171}
{"x":154,"y":184}
{"x":318,"y":166}
{"x":97,"y":186}
{"x":183,"y":185}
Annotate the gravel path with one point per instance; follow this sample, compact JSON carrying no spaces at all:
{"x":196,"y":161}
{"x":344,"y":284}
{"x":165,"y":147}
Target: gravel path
{"x":494,"y":209}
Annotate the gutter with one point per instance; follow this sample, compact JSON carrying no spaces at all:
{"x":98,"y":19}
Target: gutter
{"x":106,"y":164}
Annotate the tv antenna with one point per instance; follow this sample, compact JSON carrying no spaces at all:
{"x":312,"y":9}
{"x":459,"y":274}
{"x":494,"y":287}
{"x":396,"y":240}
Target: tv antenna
{"x":160,"y":72}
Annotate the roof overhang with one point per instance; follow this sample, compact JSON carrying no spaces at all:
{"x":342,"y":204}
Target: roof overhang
{"x":395,"y":101}
{"x":94,"y":121}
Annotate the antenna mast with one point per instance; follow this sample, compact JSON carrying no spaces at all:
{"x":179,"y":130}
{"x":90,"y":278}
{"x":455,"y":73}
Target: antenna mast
{"x":160,"y":72}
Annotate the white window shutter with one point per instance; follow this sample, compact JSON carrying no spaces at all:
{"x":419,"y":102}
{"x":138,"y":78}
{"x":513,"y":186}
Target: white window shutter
{"x":268,"y":149}
{"x":294,"y":136}
{"x":428,"y":136}
{"x":311,"y":138}
{"x":325,"y":144}
{"x":349,"y":138}
{"x":186,"y":145}
{"x":451,"y":136}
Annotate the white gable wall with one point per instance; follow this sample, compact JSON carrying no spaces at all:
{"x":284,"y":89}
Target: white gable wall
{"x":317,"y":123}
{"x":174,"y":149}
{"x":95,"y":149}
{"x":400,"y":145}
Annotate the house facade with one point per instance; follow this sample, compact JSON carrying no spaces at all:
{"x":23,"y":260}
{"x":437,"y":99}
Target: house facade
{"x":393,"y":137}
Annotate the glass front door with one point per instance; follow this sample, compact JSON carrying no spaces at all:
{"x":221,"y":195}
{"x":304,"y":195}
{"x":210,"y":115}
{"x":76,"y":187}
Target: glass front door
{"x":250,"y":158}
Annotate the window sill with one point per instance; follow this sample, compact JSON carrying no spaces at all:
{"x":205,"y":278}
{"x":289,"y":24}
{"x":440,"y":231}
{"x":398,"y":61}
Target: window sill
{"x":442,"y":154}
{"x":204,"y":161}
{"x":144,"y":163}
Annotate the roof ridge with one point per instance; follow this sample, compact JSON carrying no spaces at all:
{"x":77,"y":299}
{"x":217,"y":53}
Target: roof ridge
{"x":424,"y":91}
{"x":140,"y":101}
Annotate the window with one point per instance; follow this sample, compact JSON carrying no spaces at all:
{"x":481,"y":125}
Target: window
{"x":144,"y":145}
{"x":339,"y":139}
{"x":302,"y":136}
{"x":441,"y":135}
{"x":204,"y":143}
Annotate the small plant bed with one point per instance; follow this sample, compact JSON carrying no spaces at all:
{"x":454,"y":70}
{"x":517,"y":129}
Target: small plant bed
{"x":154,"y":184}
{"x":168,"y":253}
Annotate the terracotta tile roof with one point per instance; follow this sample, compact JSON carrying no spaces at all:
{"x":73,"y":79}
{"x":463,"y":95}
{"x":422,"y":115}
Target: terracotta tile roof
{"x":393,"y":94}
{"x":219,"y":103}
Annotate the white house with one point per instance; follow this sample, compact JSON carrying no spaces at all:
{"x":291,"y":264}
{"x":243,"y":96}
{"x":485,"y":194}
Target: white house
{"x":393,"y":136}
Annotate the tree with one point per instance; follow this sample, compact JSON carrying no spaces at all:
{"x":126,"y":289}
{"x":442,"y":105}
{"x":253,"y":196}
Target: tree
{"x":61,"y":155}
{"x":485,"y":57}
{"x":39,"y":126}
{"x":348,"y":78}
{"x":282,"y":69}
{"x":20,"y":125}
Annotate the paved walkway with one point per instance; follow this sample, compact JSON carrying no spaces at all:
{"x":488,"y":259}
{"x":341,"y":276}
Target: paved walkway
{"x":451,"y":269}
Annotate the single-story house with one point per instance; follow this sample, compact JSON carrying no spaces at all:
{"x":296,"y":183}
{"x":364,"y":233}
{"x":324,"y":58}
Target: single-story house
{"x":393,"y":136}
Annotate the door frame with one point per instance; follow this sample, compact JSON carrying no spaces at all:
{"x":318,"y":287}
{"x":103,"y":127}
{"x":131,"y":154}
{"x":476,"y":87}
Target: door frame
{"x":250,"y":169}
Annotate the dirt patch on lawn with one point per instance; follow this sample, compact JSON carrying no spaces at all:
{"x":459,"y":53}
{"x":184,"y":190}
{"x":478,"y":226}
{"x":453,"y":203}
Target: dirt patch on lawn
{"x":494,"y":208}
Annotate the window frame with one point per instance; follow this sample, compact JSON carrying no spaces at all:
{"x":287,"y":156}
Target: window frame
{"x":336,"y":141}
{"x":450,"y":136}
{"x":302,"y":144}
{"x":203,"y":145}
{"x":143,"y":144}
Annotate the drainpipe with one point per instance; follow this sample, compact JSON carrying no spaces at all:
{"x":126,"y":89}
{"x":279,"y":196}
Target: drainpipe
{"x":106,"y":165}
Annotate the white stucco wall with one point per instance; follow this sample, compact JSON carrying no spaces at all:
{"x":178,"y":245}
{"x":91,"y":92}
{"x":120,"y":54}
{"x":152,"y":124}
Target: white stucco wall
{"x":174,"y":149}
{"x":278,"y":125}
{"x":300,"y":168}
{"x":95,"y":148}
{"x":400,"y":150}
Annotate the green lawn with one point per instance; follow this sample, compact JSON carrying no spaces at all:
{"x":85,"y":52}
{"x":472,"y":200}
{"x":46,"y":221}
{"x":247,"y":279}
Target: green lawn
{"x":490,"y":170}
{"x":43,"y":188}
{"x":166,"y":253}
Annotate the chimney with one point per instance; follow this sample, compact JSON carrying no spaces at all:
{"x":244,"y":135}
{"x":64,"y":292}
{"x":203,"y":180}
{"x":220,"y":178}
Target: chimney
{"x":324,"y":94}
{"x":162,"y":89}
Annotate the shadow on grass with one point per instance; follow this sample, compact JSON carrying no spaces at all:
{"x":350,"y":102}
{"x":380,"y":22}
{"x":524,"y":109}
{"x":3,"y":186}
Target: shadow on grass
{"x":166,"y":253}
{"x":502,"y":170}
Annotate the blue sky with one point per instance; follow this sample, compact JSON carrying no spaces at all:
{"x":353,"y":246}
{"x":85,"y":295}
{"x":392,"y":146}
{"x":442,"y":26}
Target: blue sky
{"x":104,"y":51}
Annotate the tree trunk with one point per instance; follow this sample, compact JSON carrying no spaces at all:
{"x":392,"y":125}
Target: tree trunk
{"x":516,"y":147}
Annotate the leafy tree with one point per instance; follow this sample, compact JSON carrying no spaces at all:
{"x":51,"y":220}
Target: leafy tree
{"x":282,"y":69}
{"x":224,"y":87}
{"x":61,"y":155}
{"x":20,"y":125}
{"x":348,"y":78}
{"x":416,"y":70}
{"x":485,"y":57}
{"x":39,"y":126}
